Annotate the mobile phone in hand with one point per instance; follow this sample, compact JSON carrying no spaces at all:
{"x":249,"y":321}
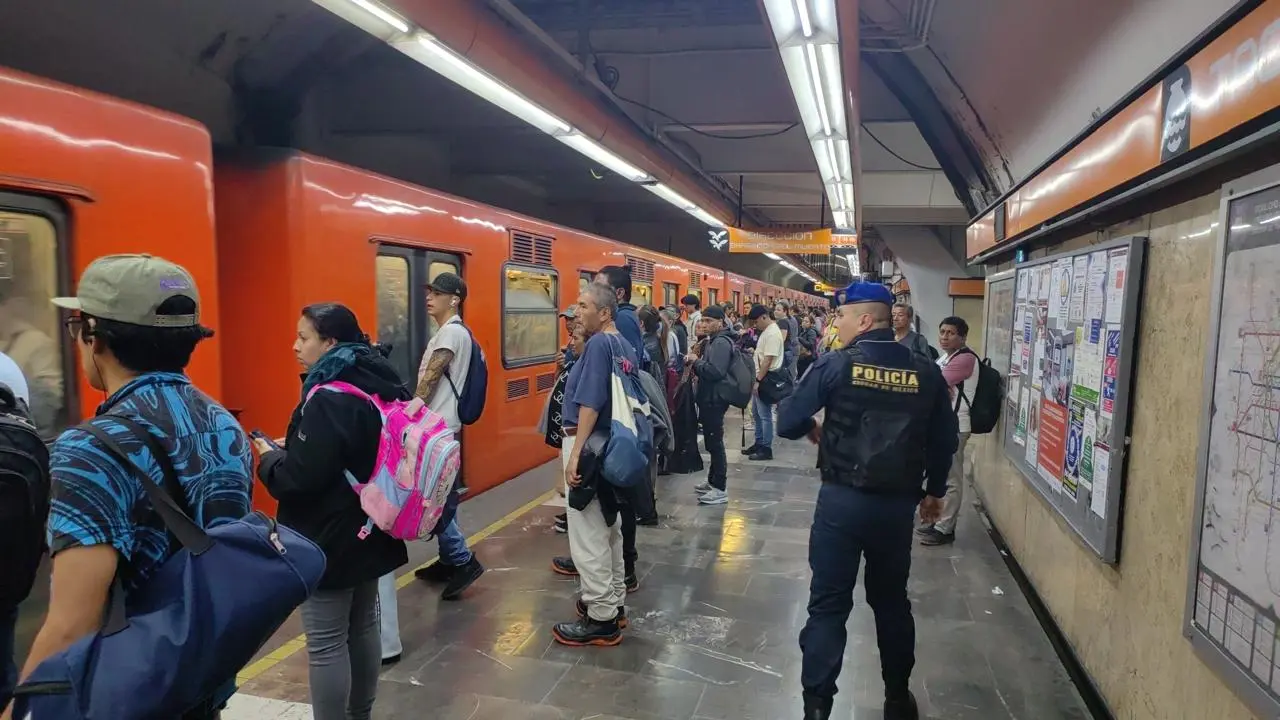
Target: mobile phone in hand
{"x":259,"y":435}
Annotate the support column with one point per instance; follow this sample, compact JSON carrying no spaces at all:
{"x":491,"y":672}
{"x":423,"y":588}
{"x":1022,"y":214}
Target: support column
{"x":928,"y":265}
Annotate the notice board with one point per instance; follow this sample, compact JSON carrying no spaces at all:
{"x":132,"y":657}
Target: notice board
{"x":1233,"y":588}
{"x":1067,"y":390}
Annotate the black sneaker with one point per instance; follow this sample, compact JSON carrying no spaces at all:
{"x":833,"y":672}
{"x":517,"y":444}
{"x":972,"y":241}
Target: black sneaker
{"x":817,"y":708}
{"x":761,"y":454}
{"x":648,"y":521}
{"x":748,"y":450}
{"x":391,"y":660}
{"x":436,"y":572}
{"x":633,"y":582}
{"x":903,"y":708}
{"x":462,"y":579}
{"x":934,"y":537}
{"x":620,"y":618}
{"x":562,"y":518}
{"x":586,"y":631}
{"x":563,"y":565}
{"x":561,"y":526}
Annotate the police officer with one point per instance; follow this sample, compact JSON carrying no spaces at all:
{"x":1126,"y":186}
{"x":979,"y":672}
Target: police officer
{"x":888,"y":422}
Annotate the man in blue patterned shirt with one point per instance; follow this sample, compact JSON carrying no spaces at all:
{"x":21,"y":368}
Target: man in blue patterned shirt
{"x":136,"y":324}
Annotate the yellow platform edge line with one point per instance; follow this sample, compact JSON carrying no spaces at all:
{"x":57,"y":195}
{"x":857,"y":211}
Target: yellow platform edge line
{"x":289,"y":648}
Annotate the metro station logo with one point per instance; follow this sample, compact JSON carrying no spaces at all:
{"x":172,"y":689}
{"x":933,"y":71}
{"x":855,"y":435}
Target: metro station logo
{"x":718,"y":239}
{"x":1175,"y":138}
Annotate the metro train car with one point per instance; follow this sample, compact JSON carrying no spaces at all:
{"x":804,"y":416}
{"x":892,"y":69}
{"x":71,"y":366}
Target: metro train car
{"x":83,"y":175}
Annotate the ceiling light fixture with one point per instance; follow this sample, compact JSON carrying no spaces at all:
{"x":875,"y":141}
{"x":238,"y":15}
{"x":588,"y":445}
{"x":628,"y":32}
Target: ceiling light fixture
{"x":378,"y":20}
{"x":808,"y":39}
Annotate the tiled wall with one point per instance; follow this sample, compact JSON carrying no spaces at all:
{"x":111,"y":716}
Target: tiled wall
{"x":1126,"y":623}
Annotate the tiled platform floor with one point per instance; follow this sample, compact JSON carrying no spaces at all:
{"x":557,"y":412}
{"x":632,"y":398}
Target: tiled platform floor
{"x":714,"y":625}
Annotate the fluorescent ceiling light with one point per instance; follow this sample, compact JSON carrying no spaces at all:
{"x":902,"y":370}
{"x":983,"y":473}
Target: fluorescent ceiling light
{"x":802,"y":14}
{"x":815,"y":77}
{"x":772,"y":256}
{"x":372,"y":17}
{"x":600,"y":154}
{"x":679,"y":201}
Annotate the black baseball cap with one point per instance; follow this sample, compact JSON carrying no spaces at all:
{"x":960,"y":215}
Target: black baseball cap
{"x":715,"y":312}
{"x":757,"y":311}
{"x":447,"y":283}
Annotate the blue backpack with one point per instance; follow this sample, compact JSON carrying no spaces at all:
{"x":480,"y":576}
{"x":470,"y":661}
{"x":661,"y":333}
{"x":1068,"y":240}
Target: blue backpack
{"x":630,"y":447}
{"x":182,"y":636}
{"x":476,"y":387}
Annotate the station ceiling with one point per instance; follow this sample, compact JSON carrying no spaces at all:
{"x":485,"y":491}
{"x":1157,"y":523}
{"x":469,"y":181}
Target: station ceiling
{"x":959,"y":99}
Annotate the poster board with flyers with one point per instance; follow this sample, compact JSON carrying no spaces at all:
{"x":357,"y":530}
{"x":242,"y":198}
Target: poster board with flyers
{"x":1075,"y":317}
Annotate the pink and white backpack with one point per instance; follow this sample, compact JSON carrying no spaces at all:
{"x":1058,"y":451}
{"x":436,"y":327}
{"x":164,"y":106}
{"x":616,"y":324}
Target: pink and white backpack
{"x":418,"y":461}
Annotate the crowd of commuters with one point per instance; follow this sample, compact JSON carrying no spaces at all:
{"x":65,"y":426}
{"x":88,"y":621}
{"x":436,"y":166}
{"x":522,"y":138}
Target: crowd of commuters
{"x":134,"y":346}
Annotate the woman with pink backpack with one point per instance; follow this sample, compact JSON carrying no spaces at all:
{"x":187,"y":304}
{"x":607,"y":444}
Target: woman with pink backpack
{"x":337,"y":437}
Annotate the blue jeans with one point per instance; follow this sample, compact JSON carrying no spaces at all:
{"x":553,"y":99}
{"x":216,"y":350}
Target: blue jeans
{"x":453,"y":544}
{"x":8,"y":669}
{"x":762,"y":414}
{"x":849,"y":525}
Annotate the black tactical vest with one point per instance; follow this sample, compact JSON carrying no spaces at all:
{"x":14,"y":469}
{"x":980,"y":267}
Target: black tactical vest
{"x":874,"y":434}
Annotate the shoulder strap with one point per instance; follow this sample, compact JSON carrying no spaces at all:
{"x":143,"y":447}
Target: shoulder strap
{"x":457,"y":395}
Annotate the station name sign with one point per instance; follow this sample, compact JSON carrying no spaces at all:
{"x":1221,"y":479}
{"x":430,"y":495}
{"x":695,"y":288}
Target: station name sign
{"x":813,"y":242}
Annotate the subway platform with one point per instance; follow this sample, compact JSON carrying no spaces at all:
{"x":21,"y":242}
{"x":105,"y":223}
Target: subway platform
{"x":714,"y":625}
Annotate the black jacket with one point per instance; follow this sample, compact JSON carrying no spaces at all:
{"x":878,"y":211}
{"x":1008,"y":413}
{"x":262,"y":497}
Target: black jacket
{"x":712,"y":369}
{"x":888,"y":417}
{"x":337,"y":432}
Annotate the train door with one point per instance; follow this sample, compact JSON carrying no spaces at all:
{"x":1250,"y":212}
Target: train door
{"x":403,"y":324}
{"x":33,"y":269}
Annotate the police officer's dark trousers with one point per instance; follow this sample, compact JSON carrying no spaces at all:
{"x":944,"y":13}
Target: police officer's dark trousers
{"x":850,"y":525}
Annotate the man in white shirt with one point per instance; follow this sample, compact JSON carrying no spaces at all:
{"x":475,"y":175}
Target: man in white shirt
{"x":960,"y":370}
{"x":692,"y":305}
{"x":768,"y":357}
{"x":441,"y":378}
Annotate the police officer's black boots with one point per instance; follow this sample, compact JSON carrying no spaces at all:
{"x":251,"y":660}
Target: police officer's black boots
{"x":817,"y":708}
{"x":901,"y":708}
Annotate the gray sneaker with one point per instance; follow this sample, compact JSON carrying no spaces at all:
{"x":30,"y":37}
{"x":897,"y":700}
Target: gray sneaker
{"x":702,"y":488}
{"x":713,"y":497}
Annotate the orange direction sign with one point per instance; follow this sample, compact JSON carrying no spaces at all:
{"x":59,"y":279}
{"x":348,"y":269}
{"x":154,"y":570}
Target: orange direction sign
{"x":813,"y":242}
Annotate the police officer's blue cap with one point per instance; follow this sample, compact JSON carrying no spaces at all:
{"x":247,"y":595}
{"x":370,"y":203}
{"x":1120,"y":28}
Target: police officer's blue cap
{"x":865,"y":292}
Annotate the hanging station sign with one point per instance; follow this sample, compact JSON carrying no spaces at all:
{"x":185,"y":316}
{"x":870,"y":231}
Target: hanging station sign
{"x":813,"y":242}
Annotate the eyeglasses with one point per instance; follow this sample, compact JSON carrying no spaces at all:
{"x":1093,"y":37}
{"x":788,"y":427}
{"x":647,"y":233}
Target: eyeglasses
{"x":74,"y":325}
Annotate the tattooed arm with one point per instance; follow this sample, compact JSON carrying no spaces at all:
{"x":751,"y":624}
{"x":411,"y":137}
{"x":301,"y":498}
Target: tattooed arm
{"x":434,"y":373}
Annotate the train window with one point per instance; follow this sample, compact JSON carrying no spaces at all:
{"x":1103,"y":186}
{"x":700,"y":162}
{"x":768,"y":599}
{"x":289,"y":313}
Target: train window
{"x":584,"y":279}
{"x":670,"y":294}
{"x":530,"y":325}
{"x":641,"y":294}
{"x":435,"y":268}
{"x":737,"y":299}
{"x":29,"y":322}
{"x":713,"y":296}
{"x":393,"y":312}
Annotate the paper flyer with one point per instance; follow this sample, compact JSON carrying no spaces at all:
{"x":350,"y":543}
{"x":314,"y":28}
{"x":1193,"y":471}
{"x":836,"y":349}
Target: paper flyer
{"x":1061,"y":297}
{"x":1096,"y":289}
{"x":1118,"y":265}
{"x":1046,"y":283}
{"x":1079,"y":270}
{"x":1024,"y":284}
{"x":1087,"y":448}
{"x":1033,"y":430}
{"x":1052,"y":442}
{"x":1058,"y":367}
{"x":1075,"y":442}
{"x":1024,"y":406}
{"x":1101,"y":478}
{"x":1086,"y":382}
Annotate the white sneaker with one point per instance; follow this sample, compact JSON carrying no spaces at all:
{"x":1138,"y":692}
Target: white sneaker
{"x":714,"y":497}
{"x":702,"y":487}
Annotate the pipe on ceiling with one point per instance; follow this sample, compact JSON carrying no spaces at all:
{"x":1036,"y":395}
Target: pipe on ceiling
{"x":470,"y":30}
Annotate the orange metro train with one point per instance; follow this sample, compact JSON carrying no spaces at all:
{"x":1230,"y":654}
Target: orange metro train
{"x":84,"y":175}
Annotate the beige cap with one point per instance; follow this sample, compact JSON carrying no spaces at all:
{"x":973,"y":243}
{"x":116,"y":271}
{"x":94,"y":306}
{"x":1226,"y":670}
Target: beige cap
{"x":131,"y":288}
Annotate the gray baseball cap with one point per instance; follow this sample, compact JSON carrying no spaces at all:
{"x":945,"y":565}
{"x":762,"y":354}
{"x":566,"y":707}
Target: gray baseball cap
{"x":131,"y":288}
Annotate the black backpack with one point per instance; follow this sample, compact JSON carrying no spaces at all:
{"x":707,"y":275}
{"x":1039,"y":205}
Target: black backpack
{"x":988,"y":396}
{"x":736,"y":388}
{"x":24,"y":499}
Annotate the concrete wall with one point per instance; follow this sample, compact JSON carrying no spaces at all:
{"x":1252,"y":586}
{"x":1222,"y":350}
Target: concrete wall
{"x":1126,"y":623}
{"x":929,"y":264}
